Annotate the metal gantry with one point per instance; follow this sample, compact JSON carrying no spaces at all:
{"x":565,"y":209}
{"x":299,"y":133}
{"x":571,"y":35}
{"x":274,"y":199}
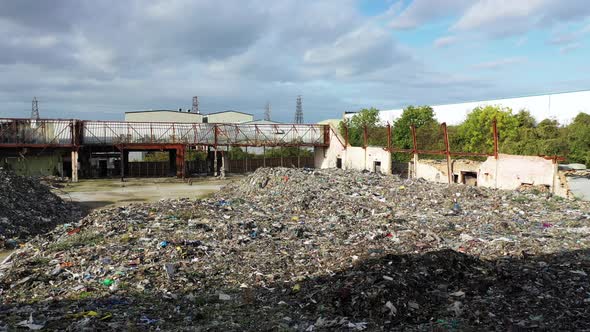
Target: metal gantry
{"x":71,"y":132}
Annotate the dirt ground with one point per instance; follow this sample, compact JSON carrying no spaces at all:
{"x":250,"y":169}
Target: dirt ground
{"x":95,"y":194}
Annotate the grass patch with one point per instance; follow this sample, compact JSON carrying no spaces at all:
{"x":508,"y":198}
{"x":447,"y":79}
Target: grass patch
{"x":521,"y":199}
{"x":77,"y":240}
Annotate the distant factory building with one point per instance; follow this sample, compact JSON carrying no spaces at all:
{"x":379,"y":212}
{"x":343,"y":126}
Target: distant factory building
{"x":262,"y":122}
{"x":559,"y":106}
{"x":163,"y":116}
{"x":229,"y":116}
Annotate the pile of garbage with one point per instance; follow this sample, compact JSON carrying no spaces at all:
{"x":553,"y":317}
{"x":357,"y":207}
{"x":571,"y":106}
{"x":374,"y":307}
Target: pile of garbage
{"x":28,"y":208}
{"x":312,"y":250}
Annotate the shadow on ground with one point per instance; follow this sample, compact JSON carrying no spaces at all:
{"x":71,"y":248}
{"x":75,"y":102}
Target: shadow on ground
{"x":439,"y":290}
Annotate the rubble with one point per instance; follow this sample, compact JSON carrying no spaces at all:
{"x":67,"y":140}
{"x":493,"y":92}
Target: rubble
{"x":28,"y":208}
{"x":312,"y":250}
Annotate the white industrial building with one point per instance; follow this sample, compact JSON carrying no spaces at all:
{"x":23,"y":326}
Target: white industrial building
{"x":229,"y":116}
{"x":562,"y":107}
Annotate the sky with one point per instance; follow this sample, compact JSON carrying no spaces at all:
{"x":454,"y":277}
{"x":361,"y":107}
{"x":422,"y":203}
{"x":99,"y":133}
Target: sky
{"x":97,"y":59}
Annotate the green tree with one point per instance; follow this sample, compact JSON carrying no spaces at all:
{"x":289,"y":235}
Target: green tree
{"x":476,"y":133}
{"x":157,"y":156}
{"x":356,"y":124}
{"x":236,"y":153}
{"x":288,"y":151}
{"x":419,"y":117}
{"x":526,"y":140}
{"x":578,"y":134}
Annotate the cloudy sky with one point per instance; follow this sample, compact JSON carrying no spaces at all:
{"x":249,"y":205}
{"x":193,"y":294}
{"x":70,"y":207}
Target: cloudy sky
{"x":97,"y":59}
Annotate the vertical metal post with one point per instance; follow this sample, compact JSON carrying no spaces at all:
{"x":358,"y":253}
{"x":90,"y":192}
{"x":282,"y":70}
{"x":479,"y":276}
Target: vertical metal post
{"x":388,"y":137}
{"x":447,"y":151}
{"x":495,"y":129}
{"x":345,"y":135}
{"x":173,"y":133}
{"x":215,"y":161}
{"x":365,"y":137}
{"x":215,"y":129}
{"x":414,"y":149}
{"x":222,"y":173}
{"x":122,"y":164}
{"x":246,"y":161}
{"x":414,"y":141}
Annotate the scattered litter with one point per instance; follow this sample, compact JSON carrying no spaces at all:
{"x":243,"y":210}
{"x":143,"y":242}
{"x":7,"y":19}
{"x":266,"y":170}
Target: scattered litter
{"x":327,"y":249}
{"x":29,"y":208}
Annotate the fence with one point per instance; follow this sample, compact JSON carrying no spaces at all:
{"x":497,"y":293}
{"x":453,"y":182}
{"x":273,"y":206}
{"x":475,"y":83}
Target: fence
{"x":250,"y":165}
{"x":162,"y":168}
{"x":429,"y":140}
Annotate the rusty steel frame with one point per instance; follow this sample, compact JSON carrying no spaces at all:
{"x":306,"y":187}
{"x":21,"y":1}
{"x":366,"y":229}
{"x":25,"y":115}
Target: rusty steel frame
{"x":17,"y":133}
{"x":446,"y":152}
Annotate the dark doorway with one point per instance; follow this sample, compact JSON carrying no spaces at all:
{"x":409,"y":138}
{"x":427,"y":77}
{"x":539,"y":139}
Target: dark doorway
{"x":67,"y":167}
{"x":338,"y":162}
{"x":102,"y":168}
{"x":469,"y":178}
{"x":377,"y":166}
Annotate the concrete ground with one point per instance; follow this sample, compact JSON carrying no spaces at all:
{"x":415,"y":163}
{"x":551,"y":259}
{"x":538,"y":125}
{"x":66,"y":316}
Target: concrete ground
{"x":95,"y":194}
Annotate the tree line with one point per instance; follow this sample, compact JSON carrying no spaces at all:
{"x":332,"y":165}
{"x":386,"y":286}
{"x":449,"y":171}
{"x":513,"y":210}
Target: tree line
{"x":519,"y":133}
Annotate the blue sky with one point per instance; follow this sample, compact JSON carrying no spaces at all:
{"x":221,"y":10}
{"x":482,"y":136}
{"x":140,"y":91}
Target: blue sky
{"x":96,"y":60}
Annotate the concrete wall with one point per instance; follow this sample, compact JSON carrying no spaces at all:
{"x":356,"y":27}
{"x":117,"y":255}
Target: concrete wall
{"x":164,"y":116}
{"x":229,"y":117}
{"x":352,"y":157}
{"x":46,"y":165}
{"x":508,"y":172}
{"x":436,"y":170}
{"x":432,"y":171}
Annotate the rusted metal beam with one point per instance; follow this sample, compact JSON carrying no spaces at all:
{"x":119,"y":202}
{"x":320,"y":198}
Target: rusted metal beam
{"x":345,"y":135}
{"x":414,"y":141}
{"x":495,"y":131}
{"x":447,"y":151}
{"x":388,"y":137}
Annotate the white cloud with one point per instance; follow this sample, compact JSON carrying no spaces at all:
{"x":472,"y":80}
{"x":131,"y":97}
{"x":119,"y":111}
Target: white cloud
{"x":445,"y":41}
{"x":496,"y":64}
{"x":420,"y":12}
{"x":489,"y":13}
{"x":500,"y":18}
{"x":569,"y":48}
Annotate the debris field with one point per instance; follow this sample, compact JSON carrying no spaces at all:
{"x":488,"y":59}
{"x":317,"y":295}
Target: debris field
{"x":28,"y":208}
{"x":311,"y":250}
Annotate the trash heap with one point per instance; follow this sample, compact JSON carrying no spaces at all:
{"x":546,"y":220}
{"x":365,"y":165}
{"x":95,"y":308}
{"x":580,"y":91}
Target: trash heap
{"x":312,"y":250}
{"x":28,"y":208}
